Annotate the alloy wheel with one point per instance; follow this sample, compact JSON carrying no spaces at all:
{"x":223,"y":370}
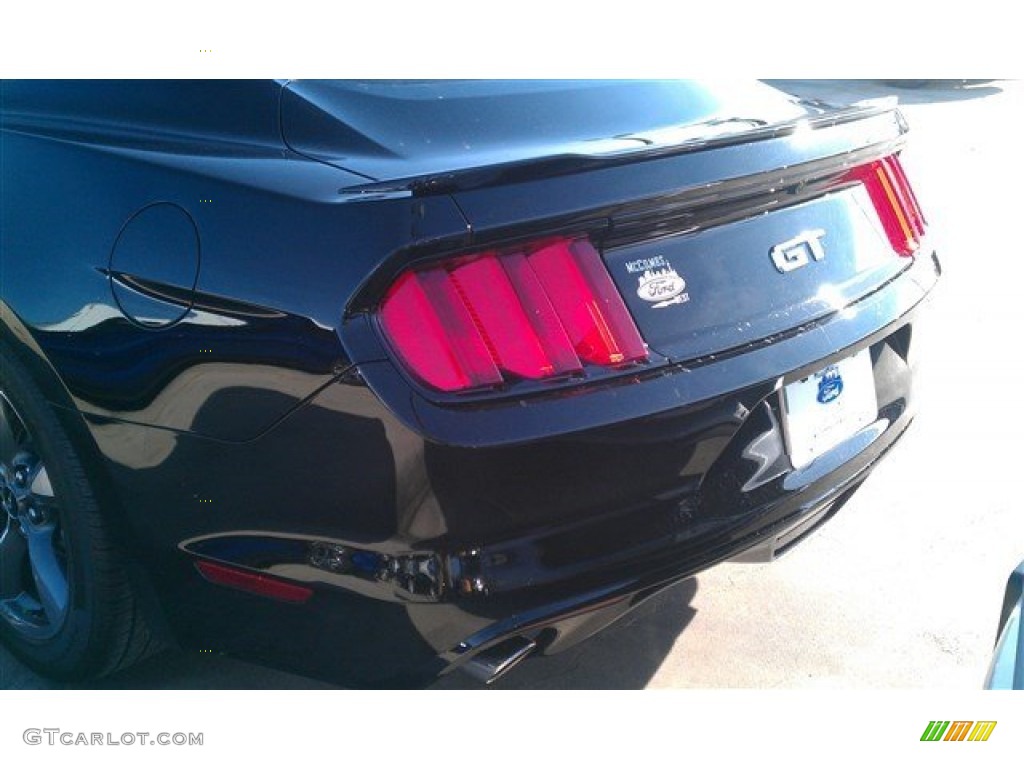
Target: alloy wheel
{"x":34,"y":586}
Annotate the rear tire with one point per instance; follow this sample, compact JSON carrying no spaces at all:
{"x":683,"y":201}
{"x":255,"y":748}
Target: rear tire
{"x":67,"y":606}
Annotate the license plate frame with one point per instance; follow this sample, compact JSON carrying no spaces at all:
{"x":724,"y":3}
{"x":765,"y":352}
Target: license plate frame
{"x":824,"y":409}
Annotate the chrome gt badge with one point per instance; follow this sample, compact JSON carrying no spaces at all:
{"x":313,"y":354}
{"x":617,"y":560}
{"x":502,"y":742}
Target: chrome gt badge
{"x":797,"y":252}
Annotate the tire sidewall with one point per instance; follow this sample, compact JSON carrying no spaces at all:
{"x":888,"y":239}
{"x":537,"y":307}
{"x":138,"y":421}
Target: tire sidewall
{"x":65,"y":652}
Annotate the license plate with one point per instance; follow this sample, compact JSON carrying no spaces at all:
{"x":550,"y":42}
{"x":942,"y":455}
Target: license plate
{"x":822,"y":410}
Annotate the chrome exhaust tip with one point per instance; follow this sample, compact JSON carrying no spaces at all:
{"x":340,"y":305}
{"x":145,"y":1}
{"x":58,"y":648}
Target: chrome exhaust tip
{"x":487,"y":666}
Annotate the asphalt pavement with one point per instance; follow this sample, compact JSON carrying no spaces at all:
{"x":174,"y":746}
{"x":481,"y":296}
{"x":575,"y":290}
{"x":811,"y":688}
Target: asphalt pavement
{"x":903,"y":588}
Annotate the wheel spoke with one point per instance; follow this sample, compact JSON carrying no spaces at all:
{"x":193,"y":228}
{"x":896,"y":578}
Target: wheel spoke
{"x":51,"y":582}
{"x":13,"y":550}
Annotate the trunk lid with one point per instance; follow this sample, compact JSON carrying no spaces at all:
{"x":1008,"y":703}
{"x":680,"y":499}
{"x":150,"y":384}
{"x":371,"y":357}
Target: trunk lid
{"x":703,"y":293}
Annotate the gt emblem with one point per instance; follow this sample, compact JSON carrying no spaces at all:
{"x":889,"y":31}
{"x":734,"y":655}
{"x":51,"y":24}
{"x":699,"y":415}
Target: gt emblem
{"x":797,"y":252}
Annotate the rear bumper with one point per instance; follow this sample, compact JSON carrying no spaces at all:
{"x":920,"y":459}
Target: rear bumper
{"x":670,"y":544}
{"x":556,"y":625}
{"x":423,"y":554}
{"x":552,"y":587}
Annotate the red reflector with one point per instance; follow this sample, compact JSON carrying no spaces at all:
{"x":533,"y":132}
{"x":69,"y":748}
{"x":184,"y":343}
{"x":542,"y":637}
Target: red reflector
{"x":893,"y":199}
{"x":256,"y":583}
{"x":478,"y":321}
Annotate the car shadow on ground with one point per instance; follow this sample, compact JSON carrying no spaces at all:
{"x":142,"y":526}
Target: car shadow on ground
{"x":625,"y":655}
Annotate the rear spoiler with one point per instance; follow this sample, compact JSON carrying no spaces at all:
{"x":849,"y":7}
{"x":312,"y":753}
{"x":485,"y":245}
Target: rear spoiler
{"x":880,"y":119}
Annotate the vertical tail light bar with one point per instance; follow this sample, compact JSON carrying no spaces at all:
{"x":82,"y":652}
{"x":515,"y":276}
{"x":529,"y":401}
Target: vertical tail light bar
{"x":893,"y":198}
{"x":540,"y":312}
{"x":587,"y":302}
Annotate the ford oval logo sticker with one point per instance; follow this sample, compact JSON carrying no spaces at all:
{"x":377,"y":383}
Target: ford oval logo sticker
{"x":830,"y":386}
{"x":662,"y":287}
{"x":660,"y":284}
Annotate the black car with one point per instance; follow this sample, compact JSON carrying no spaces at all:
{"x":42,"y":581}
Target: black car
{"x":379,"y":380}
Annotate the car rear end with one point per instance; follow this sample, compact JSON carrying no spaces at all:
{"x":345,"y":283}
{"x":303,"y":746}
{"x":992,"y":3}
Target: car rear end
{"x":641,"y":355}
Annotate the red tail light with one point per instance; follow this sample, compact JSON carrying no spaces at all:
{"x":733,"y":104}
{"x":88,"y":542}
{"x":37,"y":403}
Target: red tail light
{"x":535,"y":313}
{"x":894,"y":200}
